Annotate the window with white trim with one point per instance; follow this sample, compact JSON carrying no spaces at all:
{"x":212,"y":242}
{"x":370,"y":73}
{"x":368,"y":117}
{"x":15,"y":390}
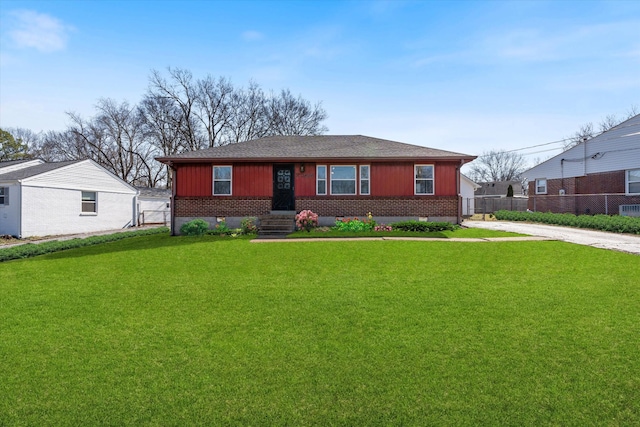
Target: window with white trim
{"x":343,"y":180}
{"x":89,"y":202}
{"x":222,"y":180}
{"x":364,"y":179}
{"x":4,"y":196}
{"x":321,"y":180}
{"x":633,"y":181}
{"x":423,"y":179}
{"x":541,"y":186}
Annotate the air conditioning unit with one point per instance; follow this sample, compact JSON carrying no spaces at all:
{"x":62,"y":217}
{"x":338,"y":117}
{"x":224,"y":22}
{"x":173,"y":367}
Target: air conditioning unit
{"x":629,"y":210}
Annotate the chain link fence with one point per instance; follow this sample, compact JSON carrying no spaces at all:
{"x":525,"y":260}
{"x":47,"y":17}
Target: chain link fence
{"x":589,"y":204}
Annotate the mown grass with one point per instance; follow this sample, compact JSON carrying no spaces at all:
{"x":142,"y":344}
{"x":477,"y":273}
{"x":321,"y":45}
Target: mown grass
{"x":181,"y":331}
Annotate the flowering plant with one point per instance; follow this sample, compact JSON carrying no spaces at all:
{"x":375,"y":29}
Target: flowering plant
{"x":355,"y":224}
{"x":306,"y":220}
{"x":248,"y":225}
{"x":382,"y":227}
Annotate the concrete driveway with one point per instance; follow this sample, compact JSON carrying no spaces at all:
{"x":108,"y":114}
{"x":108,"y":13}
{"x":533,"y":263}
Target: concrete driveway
{"x":598,"y":239}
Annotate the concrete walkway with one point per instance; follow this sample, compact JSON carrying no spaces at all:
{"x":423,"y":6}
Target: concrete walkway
{"x":598,"y":239}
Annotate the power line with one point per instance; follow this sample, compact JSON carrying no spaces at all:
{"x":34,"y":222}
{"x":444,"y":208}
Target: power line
{"x":539,"y":145}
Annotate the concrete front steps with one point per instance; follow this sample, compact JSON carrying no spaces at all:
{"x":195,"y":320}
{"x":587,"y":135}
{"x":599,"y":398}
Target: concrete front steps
{"x":277,"y":224}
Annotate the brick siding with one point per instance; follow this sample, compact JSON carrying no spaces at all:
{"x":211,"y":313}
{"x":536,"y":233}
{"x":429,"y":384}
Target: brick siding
{"x":440,"y":206}
{"x":199,"y":207}
{"x":596,"y":183}
{"x":588,"y":194}
{"x":332,"y":206}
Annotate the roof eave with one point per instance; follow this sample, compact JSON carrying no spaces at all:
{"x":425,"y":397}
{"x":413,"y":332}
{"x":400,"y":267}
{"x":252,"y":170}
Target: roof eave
{"x":177,"y":160}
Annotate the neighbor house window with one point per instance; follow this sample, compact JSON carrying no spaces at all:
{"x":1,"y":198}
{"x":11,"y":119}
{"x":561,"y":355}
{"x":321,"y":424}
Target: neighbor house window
{"x":321,"y":180}
{"x":424,"y":179}
{"x":541,"y":186}
{"x":364,"y":179}
{"x":89,"y":202}
{"x":222,"y":180}
{"x":343,"y":180}
{"x":4,"y":196}
{"x":633,"y":181}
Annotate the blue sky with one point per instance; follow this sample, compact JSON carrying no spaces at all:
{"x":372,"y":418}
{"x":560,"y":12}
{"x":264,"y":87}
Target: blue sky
{"x":465,"y":76}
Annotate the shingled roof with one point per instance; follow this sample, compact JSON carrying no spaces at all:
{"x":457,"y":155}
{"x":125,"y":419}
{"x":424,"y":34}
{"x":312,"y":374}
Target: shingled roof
{"x":308,"y":148}
{"x":34,"y":170}
{"x":7,"y":163}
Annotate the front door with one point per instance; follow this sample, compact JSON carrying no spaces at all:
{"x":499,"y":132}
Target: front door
{"x":283,"y":199}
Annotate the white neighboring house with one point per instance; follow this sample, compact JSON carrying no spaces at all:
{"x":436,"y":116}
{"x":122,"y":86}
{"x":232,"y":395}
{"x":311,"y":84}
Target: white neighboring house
{"x":605,"y":164}
{"x":40,"y":199}
{"x":154,"y":206}
{"x":467,"y":191}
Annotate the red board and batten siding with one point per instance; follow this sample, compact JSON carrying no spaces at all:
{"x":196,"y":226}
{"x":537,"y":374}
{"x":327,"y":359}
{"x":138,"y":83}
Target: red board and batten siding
{"x":305,"y":182}
{"x":256,"y":179}
{"x":194,"y":180}
{"x":252,"y":180}
{"x":446,"y":182}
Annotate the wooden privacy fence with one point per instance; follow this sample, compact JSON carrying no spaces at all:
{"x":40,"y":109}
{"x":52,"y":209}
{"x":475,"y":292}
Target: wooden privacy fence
{"x":491,"y":204}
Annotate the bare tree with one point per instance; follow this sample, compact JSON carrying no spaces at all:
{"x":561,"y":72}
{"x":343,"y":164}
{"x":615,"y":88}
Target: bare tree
{"x":178,"y":113}
{"x":213,"y":109}
{"x":587,"y":130}
{"x":161,"y":125}
{"x":60,"y":146}
{"x":213,"y":112}
{"x":182,"y":92}
{"x":294,"y":116}
{"x":247,"y":119}
{"x":497,"y":166}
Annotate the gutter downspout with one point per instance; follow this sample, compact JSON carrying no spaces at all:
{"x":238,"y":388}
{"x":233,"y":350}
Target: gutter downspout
{"x":584,"y":143}
{"x":173,"y":198}
{"x":458,"y":191}
{"x":19,"y":209}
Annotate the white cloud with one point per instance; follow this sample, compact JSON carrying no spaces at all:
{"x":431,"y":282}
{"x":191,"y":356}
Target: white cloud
{"x":39,"y":31}
{"x":252,"y":36}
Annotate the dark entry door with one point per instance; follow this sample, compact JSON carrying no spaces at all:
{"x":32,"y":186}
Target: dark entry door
{"x":283,"y":199}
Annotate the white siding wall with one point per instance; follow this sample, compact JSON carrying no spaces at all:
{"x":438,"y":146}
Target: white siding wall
{"x":50,"y":211}
{"x":614,"y":150}
{"x":468,"y":196}
{"x":155,"y":210}
{"x":10,"y":214}
{"x":621,"y":156}
{"x":85,"y":175}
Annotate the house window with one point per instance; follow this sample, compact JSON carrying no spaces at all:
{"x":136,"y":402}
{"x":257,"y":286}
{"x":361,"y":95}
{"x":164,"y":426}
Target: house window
{"x":89,"y":202}
{"x":364,"y":179}
{"x":222,"y":180}
{"x":424,"y":179}
{"x":633,"y":181}
{"x":321,"y":180}
{"x":343,"y":180}
{"x":4,"y":196}
{"x":541,"y":186}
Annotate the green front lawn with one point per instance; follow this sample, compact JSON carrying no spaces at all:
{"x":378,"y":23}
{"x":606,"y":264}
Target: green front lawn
{"x":160,"y":330}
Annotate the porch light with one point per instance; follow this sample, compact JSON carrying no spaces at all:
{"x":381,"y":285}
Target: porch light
{"x":301,"y":167}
